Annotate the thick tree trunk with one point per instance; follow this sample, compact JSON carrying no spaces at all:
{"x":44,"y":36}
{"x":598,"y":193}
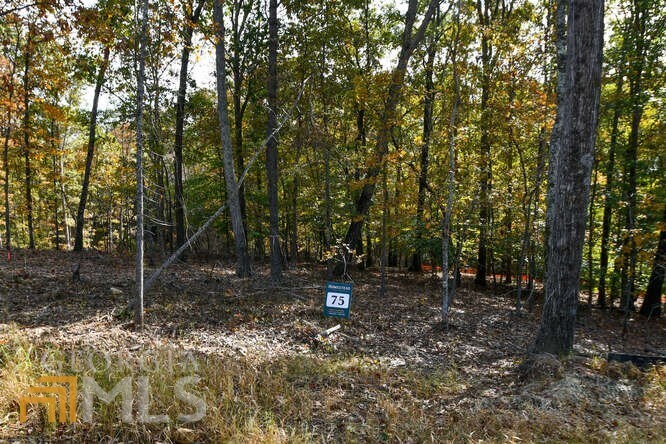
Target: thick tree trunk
{"x":180,"y":121}
{"x":410,"y":41}
{"x":242,"y":258}
{"x":272,"y":146}
{"x":573,"y":149}
{"x":652,"y":302}
{"x":80,"y":213}
{"x":561,"y":55}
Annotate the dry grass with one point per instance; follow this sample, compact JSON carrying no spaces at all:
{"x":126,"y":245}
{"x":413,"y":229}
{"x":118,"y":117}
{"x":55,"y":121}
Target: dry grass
{"x":389,"y":375}
{"x":331,"y":397}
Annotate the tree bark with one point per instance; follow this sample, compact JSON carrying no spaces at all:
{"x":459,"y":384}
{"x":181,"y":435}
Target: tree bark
{"x":242,"y":258}
{"x":560,"y":61}
{"x":80,"y":213}
{"x":191,"y":21}
{"x":572,"y":151}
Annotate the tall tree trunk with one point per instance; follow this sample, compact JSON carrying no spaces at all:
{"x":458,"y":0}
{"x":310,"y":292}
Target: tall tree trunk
{"x":191,"y":21}
{"x":5,"y":165}
{"x":63,"y":199}
{"x":428,"y":101}
{"x":530,"y":213}
{"x":608,"y":188}
{"x":560,"y":59}
{"x":384,"y":241}
{"x":485,"y":19}
{"x":140,"y":90}
{"x":508,"y":225}
{"x":242,"y":258}
{"x":238,"y":141}
{"x":26,"y":139}
{"x":447,"y":293}
{"x":590,"y":240}
{"x":410,"y":41}
{"x":638,"y":20}
{"x":328,"y":228}
{"x":80,"y":213}
{"x":272,"y":145}
{"x":573,"y":154}
{"x":652,"y":302}
{"x":293,"y":238}
{"x":56,"y":219}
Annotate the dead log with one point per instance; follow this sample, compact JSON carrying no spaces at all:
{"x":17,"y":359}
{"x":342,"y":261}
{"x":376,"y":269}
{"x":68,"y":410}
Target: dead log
{"x":640,"y":361}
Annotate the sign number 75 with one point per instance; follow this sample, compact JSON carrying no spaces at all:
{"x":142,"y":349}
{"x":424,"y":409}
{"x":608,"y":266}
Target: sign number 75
{"x":340,"y":300}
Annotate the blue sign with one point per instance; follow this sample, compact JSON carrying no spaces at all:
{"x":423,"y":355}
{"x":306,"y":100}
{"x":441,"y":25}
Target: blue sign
{"x":338,"y":299}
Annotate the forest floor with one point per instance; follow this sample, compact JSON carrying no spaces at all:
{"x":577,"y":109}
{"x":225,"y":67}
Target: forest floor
{"x":390,"y":374}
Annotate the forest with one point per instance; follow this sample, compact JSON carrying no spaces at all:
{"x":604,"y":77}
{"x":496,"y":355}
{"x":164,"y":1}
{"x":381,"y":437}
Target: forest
{"x":184,"y":181}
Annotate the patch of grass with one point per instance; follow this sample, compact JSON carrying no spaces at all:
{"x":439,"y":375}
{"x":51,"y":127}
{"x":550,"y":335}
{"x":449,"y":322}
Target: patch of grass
{"x":297,"y":398}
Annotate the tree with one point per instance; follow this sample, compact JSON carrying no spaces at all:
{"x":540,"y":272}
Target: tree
{"x":411,"y":38}
{"x":242,"y":258}
{"x":490,"y":15}
{"x":10,"y":53}
{"x":446,"y":220}
{"x":572,"y":150}
{"x":80,"y":213}
{"x":191,"y":18}
{"x":428,"y":104}
{"x":272,"y":146}
{"x":140,"y":91}
{"x":27,"y":95}
{"x":610,"y":173}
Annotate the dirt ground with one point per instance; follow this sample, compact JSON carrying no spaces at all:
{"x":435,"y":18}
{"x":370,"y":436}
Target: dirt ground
{"x":203,"y":307}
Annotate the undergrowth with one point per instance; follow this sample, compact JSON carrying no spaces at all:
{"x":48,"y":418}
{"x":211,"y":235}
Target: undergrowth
{"x":298,"y":398}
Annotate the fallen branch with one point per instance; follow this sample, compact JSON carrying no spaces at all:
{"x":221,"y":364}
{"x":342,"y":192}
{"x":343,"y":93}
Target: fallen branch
{"x":327,"y":333}
{"x":156,"y":274}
